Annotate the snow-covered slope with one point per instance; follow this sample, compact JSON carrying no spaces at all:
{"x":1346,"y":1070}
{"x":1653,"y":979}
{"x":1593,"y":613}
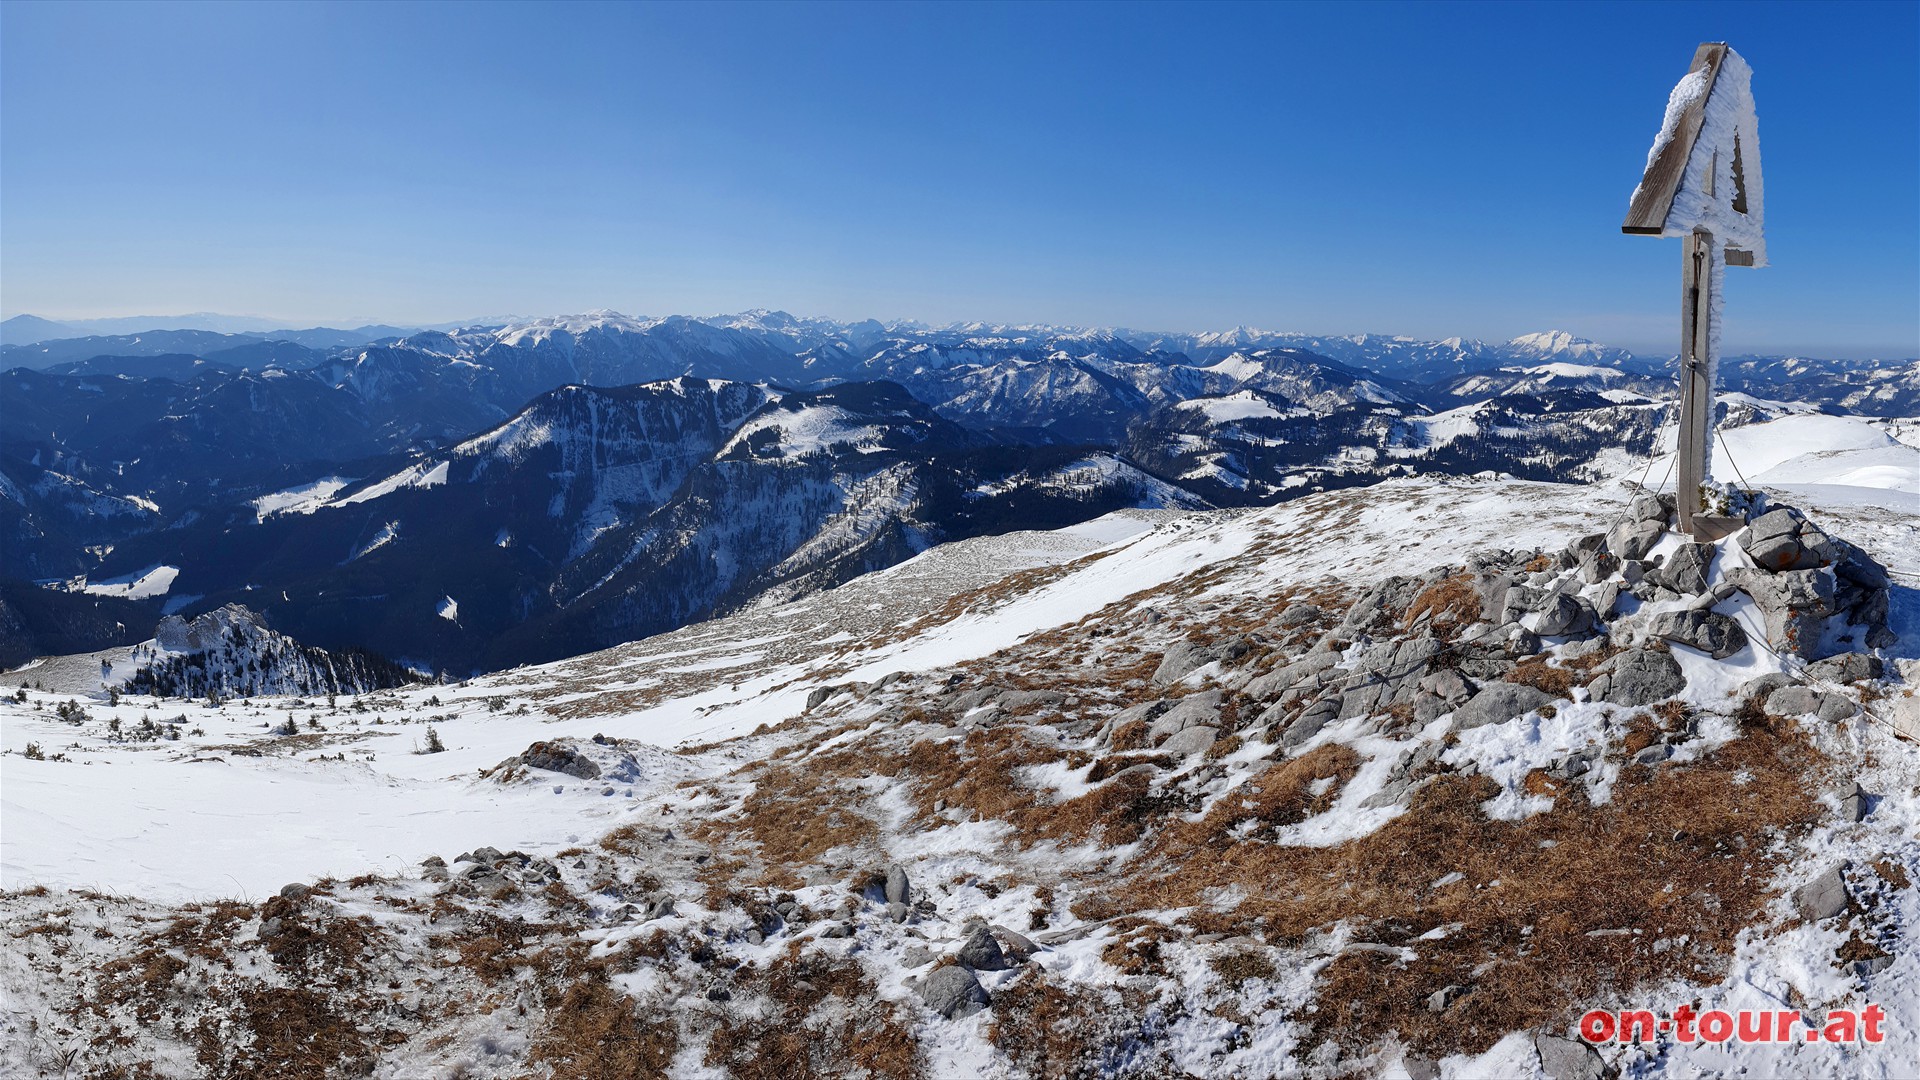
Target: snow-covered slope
{"x":1798,"y":450}
{"x":1164,"y":764}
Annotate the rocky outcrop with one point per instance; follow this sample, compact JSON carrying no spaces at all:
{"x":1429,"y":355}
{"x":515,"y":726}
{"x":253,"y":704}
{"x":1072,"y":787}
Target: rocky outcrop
{"x":232,"y":652}
{"x":1818,"y":595}
{"x":1640,"y":677}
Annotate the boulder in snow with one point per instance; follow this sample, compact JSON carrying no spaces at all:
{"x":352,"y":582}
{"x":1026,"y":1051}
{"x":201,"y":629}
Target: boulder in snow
{"x":555,"y":757}
{"x":981,"y":952}
{"x":1190,"y":656}
{"x":1784,"y":539}
{"x":1191,"y":740}
{"x":1571,"y":1059}
{"x":953,"y":992}
{"x":1633,"y":539}
{"x":1824,"y":896}
{"x":1497,"y":703}
{"x":1805,"y":700}
{"x":1640,"y":677}
{"x":1714,"y":634}
{"x":1193,"y":710}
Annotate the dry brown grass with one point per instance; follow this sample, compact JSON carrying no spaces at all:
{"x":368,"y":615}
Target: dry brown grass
{"x":1240,"y":966}
{"x":593,"y":1032}
{"x":1450,"y":604}
{"x":1676,"y":852}
{"x":1892,"y":873}
{"x":812,"y":1016}
{"x":290,"y":1032}
{"x":796,"y":814}
{"x":1542,"y":673}
{"x":1282,"y":795}
{"x":1071,"y":1032}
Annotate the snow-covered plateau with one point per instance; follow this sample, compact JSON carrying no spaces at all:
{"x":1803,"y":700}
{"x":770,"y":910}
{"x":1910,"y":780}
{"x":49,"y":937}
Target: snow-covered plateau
{"x":1395,"y":781}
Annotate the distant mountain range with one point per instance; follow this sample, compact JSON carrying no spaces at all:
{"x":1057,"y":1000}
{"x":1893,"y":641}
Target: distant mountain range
{"x":479,"y":497}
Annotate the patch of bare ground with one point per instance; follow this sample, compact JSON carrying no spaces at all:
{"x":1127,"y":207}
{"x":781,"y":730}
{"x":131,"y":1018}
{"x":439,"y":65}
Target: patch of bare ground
{"x":1074,"y":1032}
{"x":1285,"y":794}
{"x":1553,"y":913}
{"x":796,"y":814}
{"x":1449,"y":606}
{"x":810,"y":1015}
{"x":593,"y":1031}
{"x":1559,"y":677}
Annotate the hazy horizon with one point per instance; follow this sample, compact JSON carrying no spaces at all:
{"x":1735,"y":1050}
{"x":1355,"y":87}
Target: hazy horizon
{"x":1431,"y":170}
{"x":1639,"y":348}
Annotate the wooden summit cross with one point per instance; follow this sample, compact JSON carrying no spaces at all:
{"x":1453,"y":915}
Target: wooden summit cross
{"x":1703,"y":184}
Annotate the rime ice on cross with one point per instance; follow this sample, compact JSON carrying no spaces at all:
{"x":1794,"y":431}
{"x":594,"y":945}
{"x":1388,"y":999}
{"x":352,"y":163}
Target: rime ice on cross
{"x":1703,"y":184}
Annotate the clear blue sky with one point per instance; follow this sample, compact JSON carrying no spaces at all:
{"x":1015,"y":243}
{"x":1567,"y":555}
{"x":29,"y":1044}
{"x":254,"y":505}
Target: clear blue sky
{"x":1427,"y":169}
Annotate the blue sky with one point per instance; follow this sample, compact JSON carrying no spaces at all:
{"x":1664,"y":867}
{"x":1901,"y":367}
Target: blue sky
{"x":1428,"y":169}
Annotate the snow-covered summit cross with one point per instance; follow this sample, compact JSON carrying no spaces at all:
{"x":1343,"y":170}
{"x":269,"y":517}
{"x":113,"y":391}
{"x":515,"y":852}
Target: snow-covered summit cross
{"x":1702,"y":183}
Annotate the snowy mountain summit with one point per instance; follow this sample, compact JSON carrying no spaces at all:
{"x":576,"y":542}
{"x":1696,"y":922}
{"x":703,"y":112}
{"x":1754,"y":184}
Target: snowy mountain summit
{"x":1393,"y":781}
{"x":1552,"y":345}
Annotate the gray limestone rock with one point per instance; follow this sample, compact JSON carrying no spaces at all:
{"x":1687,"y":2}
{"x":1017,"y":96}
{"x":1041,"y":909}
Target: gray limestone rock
{"x":1018,"y":947}
{"x":1315,"y":717}
{"x":1802,"y":700}
{"x":1145,"y":712}
{"x":1193,"y":710}
{"x":968,"y":700}
{"x":1447,"y":684}
{"x":1824,"y":896}
{"x":1758,"y":687}
{"x":1362,"y":700}
{"x":1420,"y":1068}
{"x":1649,"y":508}
{"x":1190,"y":656}
{"x":1685,"y":571}
{"x":1795,"y":605}
{"x":897,"y":886}
{"x":1497,"y":703}
{"x":556,"y":756}
{"x":1856,"y":804}
{"x":1653,"y":754}
{"x":1570,"y":1059}
{"x":1020,"y":699}
{"x":1560,"y":615}
{"x":981,"y":952}
{"x":1191,"y":740}
{"x":1182,"y":660}
{"x":1714,"y":634}
{"x":1429,"y":707}
{"x":1299,"y":615}
{"x":1641,"y":677}
{"x":953,"y":992}
{"x":1633,"y":539}
{"x":1783,"y":539}
{"x":1383,"y":603}
{"x":1846,"y":668}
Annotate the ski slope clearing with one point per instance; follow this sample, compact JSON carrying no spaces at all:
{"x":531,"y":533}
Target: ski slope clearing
{"x":143,"y":585}
{"x":302,"y":498}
